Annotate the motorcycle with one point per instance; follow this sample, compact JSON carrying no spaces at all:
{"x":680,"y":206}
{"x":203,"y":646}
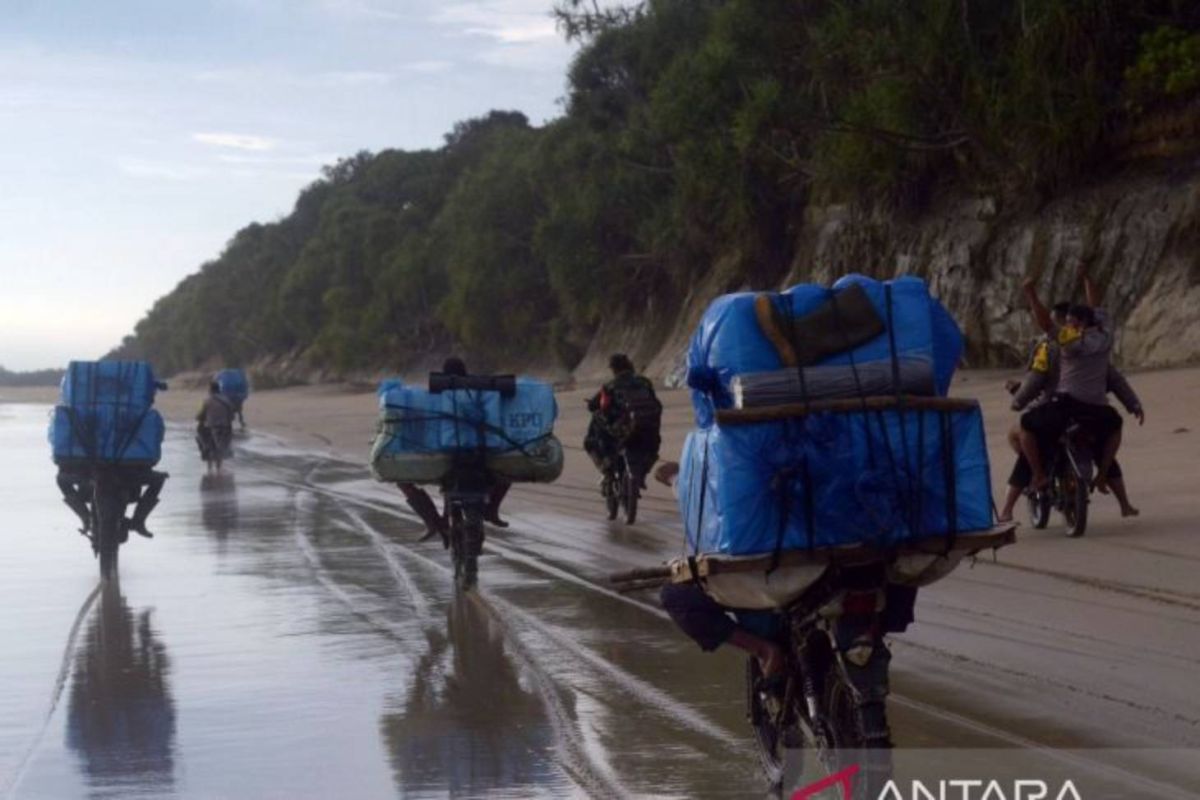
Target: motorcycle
{"x":832,"y":699}
{"x":215,"y":445}
{"x":468,"y":485}
{"x":107,"y":490}
{"x":1071,"y":471}
{"x":621,"y":489}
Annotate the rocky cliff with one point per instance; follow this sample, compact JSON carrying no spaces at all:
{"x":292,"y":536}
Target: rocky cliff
{"x":1139,"y":231}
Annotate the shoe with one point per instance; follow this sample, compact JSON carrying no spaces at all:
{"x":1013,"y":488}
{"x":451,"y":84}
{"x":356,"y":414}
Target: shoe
{"x":141,"y":531}
{"x":494,"y":519}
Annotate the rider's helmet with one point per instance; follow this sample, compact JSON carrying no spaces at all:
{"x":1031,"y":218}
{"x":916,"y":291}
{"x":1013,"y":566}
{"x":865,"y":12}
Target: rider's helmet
{"x":619,"y":363}
{"x":454,"y":366}
{"x":1059,"y":311}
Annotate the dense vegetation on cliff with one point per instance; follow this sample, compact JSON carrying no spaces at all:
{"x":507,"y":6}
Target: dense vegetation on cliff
{"x":694,"y":130}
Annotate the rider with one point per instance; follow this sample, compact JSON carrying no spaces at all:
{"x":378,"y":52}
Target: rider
{"x":141,"y":482}
{"x":711,"y":625}
{"x":422,"y":504}
{"x":1039,"y":386}
{"x":1085,"y":343}
{"x":214,"y":420}
{"x":625,"y":414}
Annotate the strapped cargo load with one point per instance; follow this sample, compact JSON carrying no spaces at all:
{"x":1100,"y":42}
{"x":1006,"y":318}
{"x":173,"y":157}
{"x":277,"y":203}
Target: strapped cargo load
{"x":420,"y":431}
{"x":233,"y":384}
{"x":823,"y":428}
{"x":105,"y":414}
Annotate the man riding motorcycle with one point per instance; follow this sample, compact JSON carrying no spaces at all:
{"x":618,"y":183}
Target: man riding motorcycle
{"x":422,"y":504}
{"x":1038,"y":386}
{"x":1085,"y":343}
{"x":626,"y":414}
{"x":214,"y":422}
{"x":139,"y":482}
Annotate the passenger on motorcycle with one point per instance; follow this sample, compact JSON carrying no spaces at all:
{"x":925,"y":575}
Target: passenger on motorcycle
{"x":1085,"y":343}
{"x":214,"y":422}
{"x":1038,"y":386}
{"x":141,"y":484}
{"x":422,"y":504}
{"x":626,"y":414}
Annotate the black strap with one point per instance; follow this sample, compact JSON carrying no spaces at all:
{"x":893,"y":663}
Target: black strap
{"x":913,"y":487}
{"x":950,"y":478}
{"x":703,"y":496}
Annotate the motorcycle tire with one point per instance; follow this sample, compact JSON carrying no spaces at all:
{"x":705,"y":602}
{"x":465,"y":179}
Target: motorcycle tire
{"x":108,"y":510}
{"x":631,"y":492}
{"x":1076,"y":497}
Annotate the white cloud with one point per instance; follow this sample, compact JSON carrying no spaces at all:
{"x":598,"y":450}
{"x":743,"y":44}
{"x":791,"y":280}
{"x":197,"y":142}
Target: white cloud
{"x":356,"y":78}
{"x":507,"y":21}
{"x":236,"y":141}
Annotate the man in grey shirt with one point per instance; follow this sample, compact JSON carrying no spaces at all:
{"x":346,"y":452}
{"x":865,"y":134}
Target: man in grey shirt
{"x":1085,"y":346}
{"x":1039,"y":385}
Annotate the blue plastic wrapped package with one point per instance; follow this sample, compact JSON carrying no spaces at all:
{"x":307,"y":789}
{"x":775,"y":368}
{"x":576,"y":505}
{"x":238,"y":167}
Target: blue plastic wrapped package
{"x":421,"y":421}
{"x":469,"y":415}
{"x":879,"y":478}
{"x":529,"y":414}
{"x":412,"y":417}
{"x":129,"y":383}
{"x":108,"y":433}
{"x":233,"y":384}
{"x":729,"y":340}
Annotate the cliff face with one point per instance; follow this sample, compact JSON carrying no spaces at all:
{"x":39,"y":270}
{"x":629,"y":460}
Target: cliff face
{"x":1139,"y":232}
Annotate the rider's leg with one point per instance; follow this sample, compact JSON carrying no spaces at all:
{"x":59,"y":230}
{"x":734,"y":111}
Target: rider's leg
{"x":1042,"y":424}
{"x":422,"y":504}
{"x":1116,"y":481}
{"x":1014,"y":439}
{"x":1112,"y":443}
{"x":73,"y":497}
{"x":1018,"y":480}
{"x":148,"y":499}
{"x":495,"y":497}
{"x":708,"y":624}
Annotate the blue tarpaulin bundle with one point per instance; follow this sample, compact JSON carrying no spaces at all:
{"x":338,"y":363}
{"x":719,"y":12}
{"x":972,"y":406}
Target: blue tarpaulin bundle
{"x":800,"y":478}
{"x":105,"y":414}
{"x":876,"y":477}
{"x":233,"y":384}
{"x":730,"y":341}
{"x":420,"y":430}
{"x":128,"y":383}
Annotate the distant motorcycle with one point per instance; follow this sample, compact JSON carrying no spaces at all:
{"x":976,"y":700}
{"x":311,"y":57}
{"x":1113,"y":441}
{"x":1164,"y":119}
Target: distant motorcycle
{"x":1071,"y":470}
{"x":621,"y":489}
{"x":215,"y":444}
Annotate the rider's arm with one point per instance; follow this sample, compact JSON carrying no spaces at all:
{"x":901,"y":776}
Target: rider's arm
{"x":1041,"y":314}
{"x":1090,"y":290}
{"x":1119,"y":385}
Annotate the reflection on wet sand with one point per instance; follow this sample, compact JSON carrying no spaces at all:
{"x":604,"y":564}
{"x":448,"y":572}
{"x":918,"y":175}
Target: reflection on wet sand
{"x":121,"y":717}
{"x":468,"y":728}
{"x":218,"y":501}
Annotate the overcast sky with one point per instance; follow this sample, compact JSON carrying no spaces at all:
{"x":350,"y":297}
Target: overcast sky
{"x":139,"y":135}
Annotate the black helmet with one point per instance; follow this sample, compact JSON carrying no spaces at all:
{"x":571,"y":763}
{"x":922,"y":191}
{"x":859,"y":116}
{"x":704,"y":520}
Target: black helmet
{"x":620,"y":363}
{"x":454,"y":366}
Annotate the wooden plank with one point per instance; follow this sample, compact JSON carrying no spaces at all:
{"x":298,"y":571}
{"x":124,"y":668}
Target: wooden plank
{"x":844,"y":405}
{"x":971,"y":543}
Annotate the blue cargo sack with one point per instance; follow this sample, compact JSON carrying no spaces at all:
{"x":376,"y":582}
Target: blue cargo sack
{"x":128,"y":383}
{"x":879,"y":478}
{"x":107,"y":433}
{"x":423,"y":422}
{"x":730,"y":342}
{"x":233,"y":384}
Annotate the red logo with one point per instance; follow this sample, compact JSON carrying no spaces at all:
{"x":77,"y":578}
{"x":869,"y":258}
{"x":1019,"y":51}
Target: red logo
{"x":843,"y":779}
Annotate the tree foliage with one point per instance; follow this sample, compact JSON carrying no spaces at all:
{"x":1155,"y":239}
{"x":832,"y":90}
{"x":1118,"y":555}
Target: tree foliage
{"x":694,"y":131}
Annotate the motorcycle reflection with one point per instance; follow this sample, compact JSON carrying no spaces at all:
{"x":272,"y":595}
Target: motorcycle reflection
{"x":121,"y":717}
{"x":475,"y":731}
{"x":218,"y":504}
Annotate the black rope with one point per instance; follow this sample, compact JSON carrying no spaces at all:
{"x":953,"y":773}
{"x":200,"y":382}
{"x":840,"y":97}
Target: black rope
{"x":703,"y":497}
{"x":948,"y":466}
{"x":901,"y":411}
